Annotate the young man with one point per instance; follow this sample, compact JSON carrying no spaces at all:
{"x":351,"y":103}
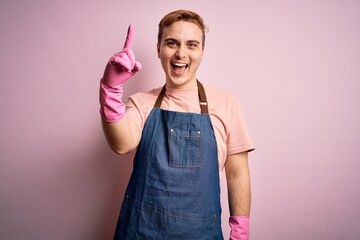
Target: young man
{"x":184,"y":134}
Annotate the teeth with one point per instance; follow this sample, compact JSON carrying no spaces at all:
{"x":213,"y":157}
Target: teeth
{"x":180,"y":64}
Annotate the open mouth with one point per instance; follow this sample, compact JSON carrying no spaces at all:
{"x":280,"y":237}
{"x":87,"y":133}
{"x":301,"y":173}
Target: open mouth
{"x":179,"y":68}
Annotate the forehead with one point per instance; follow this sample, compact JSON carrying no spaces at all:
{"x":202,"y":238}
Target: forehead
{"x":182,"y":30}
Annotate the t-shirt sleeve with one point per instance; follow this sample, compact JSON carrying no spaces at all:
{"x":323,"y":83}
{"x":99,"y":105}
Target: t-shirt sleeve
{"x":134,"y":114}
{"x":139,"y":106}
{"x":238,"y":139}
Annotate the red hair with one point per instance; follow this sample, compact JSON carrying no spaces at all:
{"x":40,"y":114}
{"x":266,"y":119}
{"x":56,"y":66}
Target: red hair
{"x":182,"y":15}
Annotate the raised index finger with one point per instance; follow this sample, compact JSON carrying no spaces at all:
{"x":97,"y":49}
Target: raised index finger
{"x":129,"y":37}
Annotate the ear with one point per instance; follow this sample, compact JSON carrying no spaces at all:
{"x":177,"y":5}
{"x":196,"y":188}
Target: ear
{"x":158,"y":49}
{"x":203,"y":52}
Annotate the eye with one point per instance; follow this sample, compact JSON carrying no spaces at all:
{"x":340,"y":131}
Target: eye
{"x":171,"y":43}
{"x":193,"y":45}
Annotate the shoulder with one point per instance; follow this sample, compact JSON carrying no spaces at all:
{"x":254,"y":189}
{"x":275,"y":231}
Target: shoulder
{"x":220,"y":97}
{"x":144,"y":98}
{"x":224,"y":106}
{"x":140,"y":104}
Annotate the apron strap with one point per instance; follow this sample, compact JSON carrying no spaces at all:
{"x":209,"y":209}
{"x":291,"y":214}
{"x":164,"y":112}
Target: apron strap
{"x":202,"y":98}
{"x":160,"y":97}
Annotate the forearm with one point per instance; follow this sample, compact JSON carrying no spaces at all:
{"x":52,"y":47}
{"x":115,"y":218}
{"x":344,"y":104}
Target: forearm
{"x":239,"y":195}
{"x":238,"y":184}
{"x":122,"y":136}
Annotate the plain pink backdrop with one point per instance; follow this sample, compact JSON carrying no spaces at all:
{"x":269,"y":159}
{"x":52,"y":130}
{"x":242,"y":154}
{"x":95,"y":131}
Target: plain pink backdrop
{"x":294,"y":65}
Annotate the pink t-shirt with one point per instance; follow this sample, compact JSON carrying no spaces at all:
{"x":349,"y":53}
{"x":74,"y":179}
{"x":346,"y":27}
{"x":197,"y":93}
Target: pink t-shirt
{"x":225,"y":112}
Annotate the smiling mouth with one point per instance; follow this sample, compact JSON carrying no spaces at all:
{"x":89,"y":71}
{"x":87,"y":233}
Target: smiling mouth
{"x":179,"y":68}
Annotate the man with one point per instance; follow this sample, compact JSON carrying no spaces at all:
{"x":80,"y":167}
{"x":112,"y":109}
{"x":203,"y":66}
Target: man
{"x":184,"y":134}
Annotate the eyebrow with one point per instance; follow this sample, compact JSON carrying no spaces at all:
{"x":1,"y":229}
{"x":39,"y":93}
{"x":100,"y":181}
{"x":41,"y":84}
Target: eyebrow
{"x":175,"y":40}
{"x":171,"y":39}
{"x":193,"y":41}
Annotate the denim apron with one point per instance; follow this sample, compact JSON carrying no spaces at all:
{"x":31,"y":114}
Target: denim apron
{"x":174,"y":189}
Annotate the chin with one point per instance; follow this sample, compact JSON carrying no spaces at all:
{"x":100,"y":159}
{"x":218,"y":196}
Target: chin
{"x":179,"y":81}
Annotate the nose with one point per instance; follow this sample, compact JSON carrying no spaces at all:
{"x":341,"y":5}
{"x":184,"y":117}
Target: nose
{"x":181,"y":52}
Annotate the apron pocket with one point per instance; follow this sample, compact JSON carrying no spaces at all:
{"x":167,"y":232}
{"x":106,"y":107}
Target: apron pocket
{"x":128,"y":222}
{"x":144,"y":221}
{"x":193,"y":226}
{"x":184,"y":148}
{"x":141,"y":221}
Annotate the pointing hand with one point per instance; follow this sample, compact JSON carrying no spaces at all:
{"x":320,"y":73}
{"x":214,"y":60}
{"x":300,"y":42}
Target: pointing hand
{"x":120,"y":68}
{"x":122,"y":65}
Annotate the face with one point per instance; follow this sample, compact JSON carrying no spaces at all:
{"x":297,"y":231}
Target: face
{"x":180,"y":52}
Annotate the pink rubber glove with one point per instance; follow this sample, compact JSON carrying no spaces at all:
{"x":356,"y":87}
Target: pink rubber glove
{"x":120,"y":68}
{"x":239,"y":227}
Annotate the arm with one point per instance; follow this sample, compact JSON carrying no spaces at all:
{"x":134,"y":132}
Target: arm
{"x":238,"y":184}
{"x":122,"y":135}
{"x":239,"y":194}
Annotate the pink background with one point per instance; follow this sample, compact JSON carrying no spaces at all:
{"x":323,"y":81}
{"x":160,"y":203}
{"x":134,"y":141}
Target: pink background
{"x":295,"y":66}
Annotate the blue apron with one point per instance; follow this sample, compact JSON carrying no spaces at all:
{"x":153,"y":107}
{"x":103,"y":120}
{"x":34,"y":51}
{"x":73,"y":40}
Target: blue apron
{"x":174,"y":189}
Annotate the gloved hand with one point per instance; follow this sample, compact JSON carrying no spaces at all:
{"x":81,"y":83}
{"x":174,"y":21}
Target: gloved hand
{"x":120,"y":68}
{"x":239,"y":227}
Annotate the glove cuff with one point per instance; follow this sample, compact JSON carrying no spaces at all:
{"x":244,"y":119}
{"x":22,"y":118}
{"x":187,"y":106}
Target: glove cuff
{"x":239,"y":227}
{"x":112,"y":109}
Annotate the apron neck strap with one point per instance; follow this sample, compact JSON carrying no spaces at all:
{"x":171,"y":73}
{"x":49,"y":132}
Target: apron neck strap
{"x":202,"y":98}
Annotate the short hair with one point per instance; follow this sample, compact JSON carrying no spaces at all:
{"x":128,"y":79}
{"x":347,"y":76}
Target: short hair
{"x":182,"y":15}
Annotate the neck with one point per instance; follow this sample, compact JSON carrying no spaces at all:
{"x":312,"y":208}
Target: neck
{"x":189,"y":84}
